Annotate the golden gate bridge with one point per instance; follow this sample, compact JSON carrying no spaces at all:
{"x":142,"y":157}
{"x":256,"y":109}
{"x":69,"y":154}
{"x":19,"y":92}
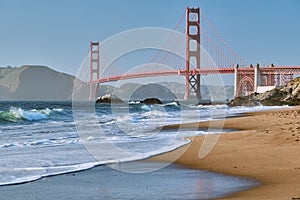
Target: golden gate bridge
{"x":199,"y":31}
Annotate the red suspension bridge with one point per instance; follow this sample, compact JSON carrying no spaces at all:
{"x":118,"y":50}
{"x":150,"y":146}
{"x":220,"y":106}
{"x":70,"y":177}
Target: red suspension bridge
{"x":199,"y":32}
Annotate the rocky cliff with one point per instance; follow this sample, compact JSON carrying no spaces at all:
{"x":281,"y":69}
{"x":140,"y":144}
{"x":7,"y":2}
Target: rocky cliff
{"x":287,"y":95}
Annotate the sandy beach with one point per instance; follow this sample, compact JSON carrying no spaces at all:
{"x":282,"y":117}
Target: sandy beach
{"x":266,"y":149}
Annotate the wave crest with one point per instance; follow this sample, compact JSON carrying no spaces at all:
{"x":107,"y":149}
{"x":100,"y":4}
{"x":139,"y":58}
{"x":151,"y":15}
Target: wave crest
{"x":18,"y":114}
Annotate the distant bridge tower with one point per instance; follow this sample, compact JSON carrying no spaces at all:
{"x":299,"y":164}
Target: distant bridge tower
{"x":192,"y":80}
{"x":94,"y":68}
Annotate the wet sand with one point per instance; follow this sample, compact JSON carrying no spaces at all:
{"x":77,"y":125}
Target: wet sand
{"x":102,"y":182}
{"x":266,"y":148}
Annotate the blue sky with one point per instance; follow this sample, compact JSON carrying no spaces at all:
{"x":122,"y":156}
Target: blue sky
{"x":57,"y":33}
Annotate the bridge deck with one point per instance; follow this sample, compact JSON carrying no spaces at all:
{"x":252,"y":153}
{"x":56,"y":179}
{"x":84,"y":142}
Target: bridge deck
{"x":263,"y":70}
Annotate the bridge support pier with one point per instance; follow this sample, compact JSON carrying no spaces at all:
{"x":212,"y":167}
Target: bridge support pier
{"x":192,"y":84}
{"x":236,"y":81}
{"x":94,"y":68}
{"x":257,"y":77}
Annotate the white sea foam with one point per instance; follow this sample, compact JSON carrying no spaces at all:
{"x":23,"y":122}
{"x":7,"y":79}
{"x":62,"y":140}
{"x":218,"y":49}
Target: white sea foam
{"x":27,"y":174}
{"x":133,"y":102}
{"x":14,"y":174}
{"x":171,"y":104}
{"x":146,"y":107}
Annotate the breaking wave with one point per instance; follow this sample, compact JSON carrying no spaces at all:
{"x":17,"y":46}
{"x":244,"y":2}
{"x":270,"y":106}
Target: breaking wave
{"x":18,"y":114}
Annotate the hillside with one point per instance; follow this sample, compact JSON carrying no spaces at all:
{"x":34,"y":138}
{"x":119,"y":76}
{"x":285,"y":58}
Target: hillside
{"x":34,"y":83}
{"x":166,"y":91}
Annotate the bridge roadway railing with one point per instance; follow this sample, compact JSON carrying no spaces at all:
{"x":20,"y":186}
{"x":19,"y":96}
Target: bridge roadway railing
{"x":202,"y":71}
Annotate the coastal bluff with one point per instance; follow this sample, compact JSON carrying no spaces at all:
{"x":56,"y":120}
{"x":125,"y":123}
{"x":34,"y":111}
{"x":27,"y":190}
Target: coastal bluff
{"x":286,"y":95}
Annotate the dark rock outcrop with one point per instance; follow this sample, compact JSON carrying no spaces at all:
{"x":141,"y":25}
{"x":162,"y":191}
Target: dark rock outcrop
{"x":108,"y":99}
{"x":287,"y":95}
{"x":151,"y":101}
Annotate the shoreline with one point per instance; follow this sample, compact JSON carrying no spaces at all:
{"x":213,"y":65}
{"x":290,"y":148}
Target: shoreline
{"x":262,"y":146}
{"x":266,"y":148}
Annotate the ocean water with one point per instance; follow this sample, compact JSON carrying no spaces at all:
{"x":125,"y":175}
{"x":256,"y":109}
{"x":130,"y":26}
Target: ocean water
{"x":39,"y":139}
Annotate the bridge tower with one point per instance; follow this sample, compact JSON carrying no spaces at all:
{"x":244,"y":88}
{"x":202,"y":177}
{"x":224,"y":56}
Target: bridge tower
{"x":192,"y":80}
{"x":94,"y":67}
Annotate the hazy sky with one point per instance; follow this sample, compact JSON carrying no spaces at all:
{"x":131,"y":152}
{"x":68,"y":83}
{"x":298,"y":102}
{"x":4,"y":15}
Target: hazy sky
{"x":57,"y":33}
